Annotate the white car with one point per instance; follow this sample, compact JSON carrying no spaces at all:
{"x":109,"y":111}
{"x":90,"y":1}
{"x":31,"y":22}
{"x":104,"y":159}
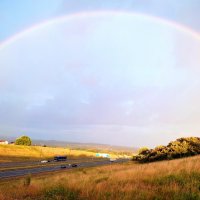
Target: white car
{"x":113,"y":159}
{"x":44,"y":161}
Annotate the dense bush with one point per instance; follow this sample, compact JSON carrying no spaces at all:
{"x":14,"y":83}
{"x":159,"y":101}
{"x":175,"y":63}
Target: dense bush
{"x":23,"y":140}
{"x":182,"y":147}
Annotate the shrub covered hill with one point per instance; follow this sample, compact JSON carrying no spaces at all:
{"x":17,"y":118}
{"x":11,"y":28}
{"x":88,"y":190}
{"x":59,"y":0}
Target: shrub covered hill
{"x":182,"y":147}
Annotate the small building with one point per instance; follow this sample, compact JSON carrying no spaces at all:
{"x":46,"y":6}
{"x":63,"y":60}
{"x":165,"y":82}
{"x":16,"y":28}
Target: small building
{"x":3,"y":142}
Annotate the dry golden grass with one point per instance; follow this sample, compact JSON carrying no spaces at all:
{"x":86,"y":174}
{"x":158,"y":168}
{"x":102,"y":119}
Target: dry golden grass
{"x":176,"y":179}
{"x":13,"y":153}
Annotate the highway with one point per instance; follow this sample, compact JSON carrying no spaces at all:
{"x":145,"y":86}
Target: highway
{"x":32,"y":163}
{"x":18,"y":164}
{"x":37,"y":170}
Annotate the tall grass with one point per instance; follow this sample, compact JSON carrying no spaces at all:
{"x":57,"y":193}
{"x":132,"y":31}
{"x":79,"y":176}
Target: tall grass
{"x":176,"y":179}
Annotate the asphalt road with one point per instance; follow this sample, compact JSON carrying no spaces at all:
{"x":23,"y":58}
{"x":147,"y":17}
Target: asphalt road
{"x":28,"y":163}
{"x":19,"y":164}
{"x":22,"y":172}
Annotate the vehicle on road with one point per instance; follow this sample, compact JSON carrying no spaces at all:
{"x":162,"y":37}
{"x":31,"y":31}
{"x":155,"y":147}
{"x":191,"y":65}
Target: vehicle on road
{"x":39,"y":169}
{"x":113,"y":159}
{"x":60,"y":158}
{"x":44,"y":161}
{"x":63,"y":166}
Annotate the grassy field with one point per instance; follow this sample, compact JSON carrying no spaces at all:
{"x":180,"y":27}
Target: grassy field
{"x":13,"y":153}
{"x":167,"y":180}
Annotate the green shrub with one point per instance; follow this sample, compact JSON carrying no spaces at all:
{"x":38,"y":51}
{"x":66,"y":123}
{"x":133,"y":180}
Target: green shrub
{"x":182,"y":147}
{"x":23,"y":140}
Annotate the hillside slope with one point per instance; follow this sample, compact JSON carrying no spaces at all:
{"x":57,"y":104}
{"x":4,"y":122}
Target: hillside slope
{"x":166,"y":180}
{"x":13,"y":153}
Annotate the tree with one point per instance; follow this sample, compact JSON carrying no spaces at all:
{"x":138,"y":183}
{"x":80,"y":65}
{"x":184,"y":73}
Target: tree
{"x":143,"y":150}
{"x":23,"y":140}
{"x":181,"y":147}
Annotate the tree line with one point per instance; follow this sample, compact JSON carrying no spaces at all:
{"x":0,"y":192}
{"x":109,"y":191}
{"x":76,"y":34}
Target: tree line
{"x":179,"y":148}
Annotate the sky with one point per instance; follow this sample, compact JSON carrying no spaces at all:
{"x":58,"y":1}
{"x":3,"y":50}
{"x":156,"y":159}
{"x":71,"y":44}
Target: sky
{"x":114,"y":72}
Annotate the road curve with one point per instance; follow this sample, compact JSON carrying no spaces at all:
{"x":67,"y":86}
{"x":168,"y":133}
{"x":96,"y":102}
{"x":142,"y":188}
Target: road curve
{"x":23,"y":172}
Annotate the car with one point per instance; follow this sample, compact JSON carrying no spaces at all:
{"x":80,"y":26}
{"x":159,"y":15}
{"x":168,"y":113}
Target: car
{"x":112,"y":159}
{"x":44,"y":161}
{"x":74,"y":165}
{"x":63,"y":166}
{"x":60,"y":158}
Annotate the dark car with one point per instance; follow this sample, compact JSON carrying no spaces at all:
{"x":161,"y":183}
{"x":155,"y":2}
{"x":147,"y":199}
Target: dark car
{"x":63,"y":166}
{"x":74,"y":165}
{"x":60,"y":158}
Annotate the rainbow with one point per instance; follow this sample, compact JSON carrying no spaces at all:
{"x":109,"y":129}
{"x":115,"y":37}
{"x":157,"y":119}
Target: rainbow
{"x":57,"y":20}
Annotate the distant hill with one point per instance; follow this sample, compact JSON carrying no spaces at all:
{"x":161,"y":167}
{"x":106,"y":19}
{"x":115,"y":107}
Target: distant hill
{"x":79,"y":146}
{"x":85,"y":146}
